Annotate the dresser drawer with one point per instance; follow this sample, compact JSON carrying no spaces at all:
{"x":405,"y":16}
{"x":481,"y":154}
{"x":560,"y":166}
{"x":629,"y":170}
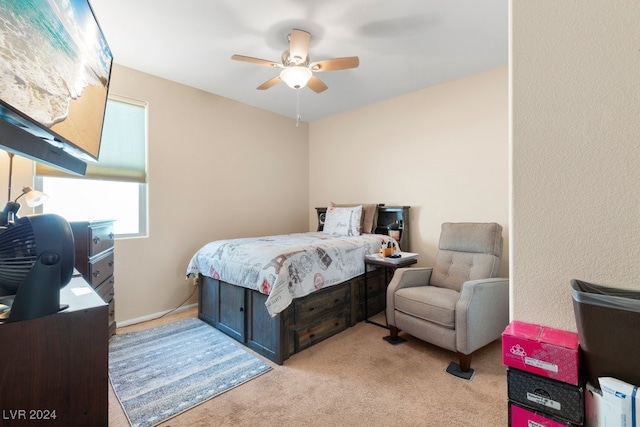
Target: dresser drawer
{"x":105,"y":290}
{"x":112,"y":316}
{"x":101,"y":268}
{"x":101,"y":238}
{"x":94,"y":243}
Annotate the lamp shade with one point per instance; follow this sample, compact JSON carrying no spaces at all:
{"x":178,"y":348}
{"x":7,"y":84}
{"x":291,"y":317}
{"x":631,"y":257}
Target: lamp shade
{"x":33,"y":197}
{"x":296,"y":77}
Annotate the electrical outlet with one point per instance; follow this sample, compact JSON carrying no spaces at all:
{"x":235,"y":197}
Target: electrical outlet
{"x":196,"y":280}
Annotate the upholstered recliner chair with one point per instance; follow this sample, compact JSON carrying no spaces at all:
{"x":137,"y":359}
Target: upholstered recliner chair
{"x":459,"y":304}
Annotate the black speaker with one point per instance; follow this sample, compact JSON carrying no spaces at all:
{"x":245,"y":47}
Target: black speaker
{"x":322,"y":214}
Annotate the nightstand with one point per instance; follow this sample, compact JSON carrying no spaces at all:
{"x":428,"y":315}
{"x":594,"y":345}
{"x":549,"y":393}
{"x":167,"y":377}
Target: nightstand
{"x":389,"y":265}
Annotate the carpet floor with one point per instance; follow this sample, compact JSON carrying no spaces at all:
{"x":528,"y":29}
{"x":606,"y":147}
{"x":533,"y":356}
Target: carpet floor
{"x":355,"y":378}
{"x":161,"y":372}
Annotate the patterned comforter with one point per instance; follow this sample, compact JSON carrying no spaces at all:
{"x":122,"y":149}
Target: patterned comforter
{"x":286,"y":266}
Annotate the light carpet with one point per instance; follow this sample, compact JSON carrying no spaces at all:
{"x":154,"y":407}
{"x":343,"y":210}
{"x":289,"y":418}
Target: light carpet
{"x":161,"y":372}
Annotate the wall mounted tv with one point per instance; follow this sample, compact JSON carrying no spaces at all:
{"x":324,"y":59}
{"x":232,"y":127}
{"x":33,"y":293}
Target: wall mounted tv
{"x":55,"y":67}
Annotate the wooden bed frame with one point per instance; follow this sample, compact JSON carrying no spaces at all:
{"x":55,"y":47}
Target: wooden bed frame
{"x":240,"y":312}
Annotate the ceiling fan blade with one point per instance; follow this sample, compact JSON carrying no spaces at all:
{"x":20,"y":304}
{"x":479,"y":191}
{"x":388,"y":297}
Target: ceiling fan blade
{"x":335,"y":64}
{"x":316,"y":85}
{"x":299,"y":45}
{"x":257,"y":61}
{"x":269,"y":83}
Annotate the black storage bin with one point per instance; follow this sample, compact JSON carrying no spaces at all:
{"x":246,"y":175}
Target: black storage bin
{"x":608,"y":322}
{"x":515,"y":417}
{"x":548,"y":396}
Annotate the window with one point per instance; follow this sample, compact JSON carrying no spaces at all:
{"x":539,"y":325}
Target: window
{"x":113,"y":188}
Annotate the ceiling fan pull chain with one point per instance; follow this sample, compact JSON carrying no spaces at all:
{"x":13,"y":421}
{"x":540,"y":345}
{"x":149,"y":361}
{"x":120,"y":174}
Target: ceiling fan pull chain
{"x":298,"y":117}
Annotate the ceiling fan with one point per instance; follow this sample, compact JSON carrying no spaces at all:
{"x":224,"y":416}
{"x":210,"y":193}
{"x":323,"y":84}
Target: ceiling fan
{"x":297,"y":70}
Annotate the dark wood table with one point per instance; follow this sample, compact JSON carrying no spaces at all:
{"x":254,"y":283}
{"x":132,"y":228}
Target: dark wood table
{"x":54,"y":369}
{"x":389,"y":265}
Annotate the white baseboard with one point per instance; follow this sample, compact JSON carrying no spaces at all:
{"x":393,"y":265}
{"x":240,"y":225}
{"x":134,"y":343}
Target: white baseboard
{"x":154,"y":316}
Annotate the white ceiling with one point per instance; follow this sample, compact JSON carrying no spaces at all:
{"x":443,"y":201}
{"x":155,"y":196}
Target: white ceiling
{"x":403,"y":45}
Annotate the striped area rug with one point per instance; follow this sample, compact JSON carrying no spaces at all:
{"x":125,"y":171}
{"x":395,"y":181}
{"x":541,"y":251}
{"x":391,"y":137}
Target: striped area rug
{"x":161,"y":372}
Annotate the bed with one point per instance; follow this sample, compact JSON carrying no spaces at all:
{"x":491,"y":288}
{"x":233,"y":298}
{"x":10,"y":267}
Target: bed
{"x":281,"y":294}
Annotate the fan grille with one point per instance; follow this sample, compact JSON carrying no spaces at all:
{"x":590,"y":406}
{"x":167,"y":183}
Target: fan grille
{"x":18,"y":253}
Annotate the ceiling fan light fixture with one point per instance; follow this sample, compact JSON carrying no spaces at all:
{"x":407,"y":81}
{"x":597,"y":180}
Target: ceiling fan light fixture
{"x":297,"y":68}
{"x":296,"y":77}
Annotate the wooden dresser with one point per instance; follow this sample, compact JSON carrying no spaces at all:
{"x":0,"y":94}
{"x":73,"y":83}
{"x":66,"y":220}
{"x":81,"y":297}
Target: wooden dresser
{"x":54,"y":369}
{"x":95,"y":260}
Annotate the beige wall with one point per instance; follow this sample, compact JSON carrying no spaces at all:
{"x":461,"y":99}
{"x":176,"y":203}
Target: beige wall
{"x":576,"y":152}
{"x":574,"y":158}
{"x":221,"y":169}
{"x":22,"y":177}
{"x":216,"y":169}
{"x":443,"y":151}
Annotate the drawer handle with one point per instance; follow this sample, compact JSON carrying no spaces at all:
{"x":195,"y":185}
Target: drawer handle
{"x":241,"y":309}
{"x":112,"y":293}
{"x":112,"y":281}
{"x":96,"y":240}
{"x":111,"y":236}
{"x":96,"y":273}
{"x":312,"y":335}
{"x":111,"y":263}
{"x":311,"y":308}
{"x":336,"y":300}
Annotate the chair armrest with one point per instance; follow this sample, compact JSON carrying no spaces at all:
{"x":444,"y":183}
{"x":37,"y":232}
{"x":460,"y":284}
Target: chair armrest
{"x":405,"y":278}
{"x":482,"y":313}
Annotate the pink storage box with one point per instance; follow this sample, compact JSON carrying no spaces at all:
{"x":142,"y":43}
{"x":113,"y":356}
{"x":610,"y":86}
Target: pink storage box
{"x":522,"y":417}
{"x":541,"y":350}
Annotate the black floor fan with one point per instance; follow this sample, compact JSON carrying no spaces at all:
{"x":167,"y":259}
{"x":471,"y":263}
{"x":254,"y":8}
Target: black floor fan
{"x":36,"y":260}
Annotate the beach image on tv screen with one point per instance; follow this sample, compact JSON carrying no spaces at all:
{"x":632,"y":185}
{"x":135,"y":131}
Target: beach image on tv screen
{"x":55,"y":66}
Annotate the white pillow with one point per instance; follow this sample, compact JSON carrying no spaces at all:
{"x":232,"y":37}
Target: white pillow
{"x":343,"y":221}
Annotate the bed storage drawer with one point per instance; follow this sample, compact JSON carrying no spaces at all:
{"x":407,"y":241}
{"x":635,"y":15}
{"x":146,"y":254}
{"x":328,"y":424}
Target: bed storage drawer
{"x":241,"y":314}
{"x":376,"y":294}
{"x":208,"y":300}
{"x":332,"y":300}
{"x":263,"y":331}
{"x":308,"y":336}
{"x":232,"y":311}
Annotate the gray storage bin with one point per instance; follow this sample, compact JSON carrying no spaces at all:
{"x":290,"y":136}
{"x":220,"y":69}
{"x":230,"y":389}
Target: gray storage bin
{"x":608,"y":322}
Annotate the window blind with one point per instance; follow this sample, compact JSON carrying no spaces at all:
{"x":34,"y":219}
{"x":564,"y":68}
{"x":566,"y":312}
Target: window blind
{"x":122,"y":148}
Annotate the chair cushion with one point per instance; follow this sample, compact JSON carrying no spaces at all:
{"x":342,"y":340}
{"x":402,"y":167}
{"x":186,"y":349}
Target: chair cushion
{"x":452,"y":269}
{"x":477,"y":237}
{"x":436,"y":305}
{"x":467,"y":251}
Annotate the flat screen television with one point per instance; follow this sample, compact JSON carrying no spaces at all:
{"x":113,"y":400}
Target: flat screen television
{"x":55,"y":68}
